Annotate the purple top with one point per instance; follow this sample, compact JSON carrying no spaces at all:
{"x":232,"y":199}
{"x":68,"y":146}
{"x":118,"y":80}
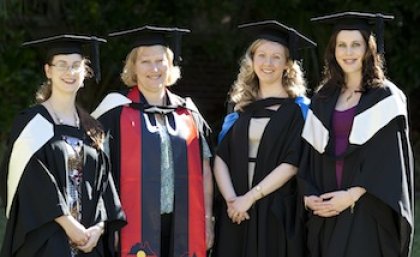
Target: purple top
{"x":341,"y":124}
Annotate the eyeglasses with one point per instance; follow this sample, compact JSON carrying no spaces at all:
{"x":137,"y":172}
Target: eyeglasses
{"x":63,"y":67}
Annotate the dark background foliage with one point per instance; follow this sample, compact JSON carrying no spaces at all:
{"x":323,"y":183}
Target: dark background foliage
{"x":211,"y":52}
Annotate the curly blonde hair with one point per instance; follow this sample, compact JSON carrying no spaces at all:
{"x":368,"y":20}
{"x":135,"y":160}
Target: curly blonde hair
{"x":245,"y":88}
{"x":129,"y":76}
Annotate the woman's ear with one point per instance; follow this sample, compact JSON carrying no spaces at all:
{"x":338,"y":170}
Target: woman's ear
{"x":47,"y":70}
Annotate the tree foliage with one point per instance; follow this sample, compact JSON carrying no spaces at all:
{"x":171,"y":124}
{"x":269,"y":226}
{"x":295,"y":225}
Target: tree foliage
{"x":213,"y":24}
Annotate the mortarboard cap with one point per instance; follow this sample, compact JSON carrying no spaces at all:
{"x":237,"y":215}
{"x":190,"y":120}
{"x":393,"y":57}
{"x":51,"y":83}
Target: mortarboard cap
{"x":358,"y":21}
{"x":153,"y":35}
{"x":277,"y":32}
{"x":71,"y":44}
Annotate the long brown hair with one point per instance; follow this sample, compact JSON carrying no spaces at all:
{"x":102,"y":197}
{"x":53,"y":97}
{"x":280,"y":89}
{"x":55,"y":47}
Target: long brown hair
{"x":92,"y":127}
{"x":372,"y":66}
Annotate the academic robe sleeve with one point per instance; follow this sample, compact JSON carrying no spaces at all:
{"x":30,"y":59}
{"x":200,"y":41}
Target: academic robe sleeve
{"x":18,"y":125}
{"x":387,"y":173}
{"x":38,"y":200}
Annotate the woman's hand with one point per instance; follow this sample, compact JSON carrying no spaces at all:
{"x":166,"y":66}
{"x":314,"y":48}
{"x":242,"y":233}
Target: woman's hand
{"x":75,"y":231}
{"x":95,"y":233}
{"x":314,"y":203}
{"x":238,"y":208}
{"x":78,"y":234}
{"x":334,"y":203}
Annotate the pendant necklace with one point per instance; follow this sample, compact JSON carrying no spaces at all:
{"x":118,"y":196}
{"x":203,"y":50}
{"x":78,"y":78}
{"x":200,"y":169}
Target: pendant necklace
{"x":352,"y":94}
{"x":61,"y":121}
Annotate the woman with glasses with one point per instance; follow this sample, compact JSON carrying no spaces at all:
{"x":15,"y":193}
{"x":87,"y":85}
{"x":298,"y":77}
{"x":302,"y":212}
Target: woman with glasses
{"x":56,"y":182}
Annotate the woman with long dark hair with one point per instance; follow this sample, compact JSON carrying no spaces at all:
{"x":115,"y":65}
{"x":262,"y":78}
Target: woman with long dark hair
{"x":357,"y":168}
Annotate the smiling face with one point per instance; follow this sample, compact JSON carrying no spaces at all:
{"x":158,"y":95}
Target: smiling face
{"x":66,"y":72}
{"x":350,"y":50}
{"x":151,"y":68}
{"x":269,"y":62}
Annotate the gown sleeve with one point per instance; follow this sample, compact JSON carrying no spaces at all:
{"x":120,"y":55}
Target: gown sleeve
{"x":38,"y":199}
{"x":387,"y":174}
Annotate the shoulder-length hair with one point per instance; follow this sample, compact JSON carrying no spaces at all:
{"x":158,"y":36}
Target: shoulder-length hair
{"x":245,"y":88}
{"x":129,"y":76}
{"x":372,"y":66}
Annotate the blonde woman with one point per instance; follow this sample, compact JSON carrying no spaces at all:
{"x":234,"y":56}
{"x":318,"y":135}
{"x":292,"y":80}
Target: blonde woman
{"x":159,"y":152}
{"x":259,"y":148}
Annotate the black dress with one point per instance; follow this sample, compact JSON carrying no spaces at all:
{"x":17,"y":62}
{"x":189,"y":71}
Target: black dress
{"x":35,"y":181}
{"x":272,"y":229}
{"x":379,"y":159}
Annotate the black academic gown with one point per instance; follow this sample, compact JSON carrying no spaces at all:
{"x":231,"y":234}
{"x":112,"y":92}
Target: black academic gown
{"x":379,"y":159}
{"x":40,"y":193}
{"x":272,"y":230}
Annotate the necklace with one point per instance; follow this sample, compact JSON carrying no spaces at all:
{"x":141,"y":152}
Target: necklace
{"x":349,"y":96}
{"x":61,"y":121}
{"x":352,"y":94}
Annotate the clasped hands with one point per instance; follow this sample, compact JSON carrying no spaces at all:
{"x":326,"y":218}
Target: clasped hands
{"x":85,"y":239}
{"x":237,"y":207}
{"x":329,"y":204}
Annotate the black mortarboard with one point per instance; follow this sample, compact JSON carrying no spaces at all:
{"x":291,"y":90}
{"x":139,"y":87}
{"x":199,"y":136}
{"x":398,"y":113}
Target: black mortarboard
{"x":358,"y":21}
{"x":275,"y":31}
{"x":153,"y":35}
{"x":71,"y":44}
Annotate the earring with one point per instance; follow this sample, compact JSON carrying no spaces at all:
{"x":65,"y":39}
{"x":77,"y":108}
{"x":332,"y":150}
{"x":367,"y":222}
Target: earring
{"x":49,"y":82}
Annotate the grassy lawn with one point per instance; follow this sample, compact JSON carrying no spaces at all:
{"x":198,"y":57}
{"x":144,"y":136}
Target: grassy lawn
{"x":416,"y":247}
